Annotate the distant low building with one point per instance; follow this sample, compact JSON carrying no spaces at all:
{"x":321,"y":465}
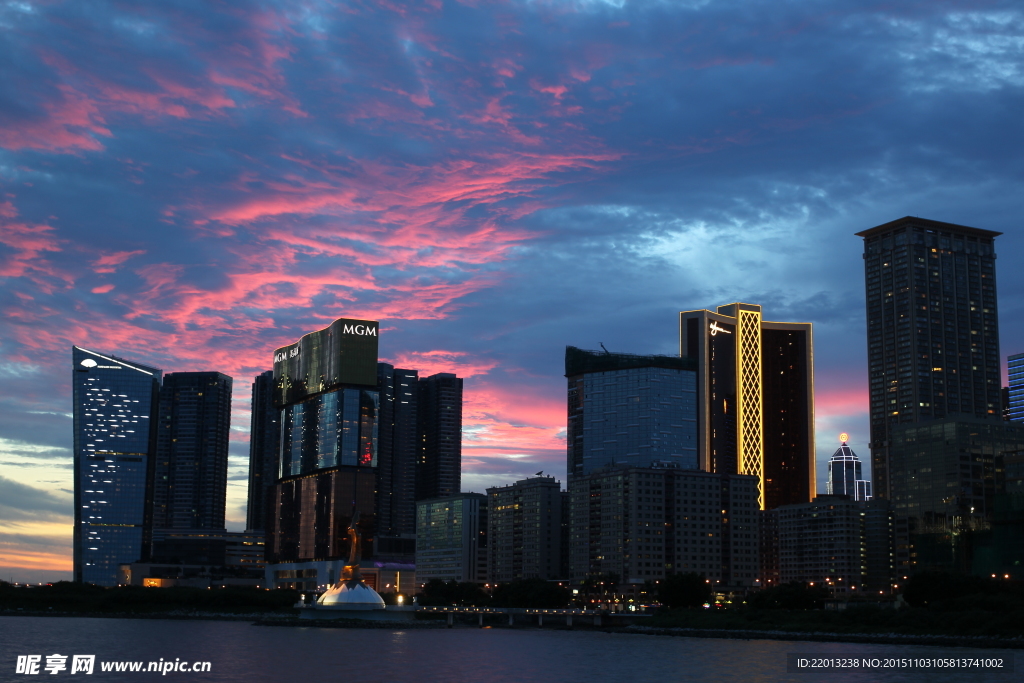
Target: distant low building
{"x":199,"y":558}
{"x":644,"y":523}
{"x":834,"y":541}
{"x":844,"y":474}
{"x":451,"y":538}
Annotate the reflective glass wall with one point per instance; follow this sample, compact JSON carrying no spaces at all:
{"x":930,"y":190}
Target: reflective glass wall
{"x":114,"y":406}
{"x":639,"y":416}
{"x":335,"y":428}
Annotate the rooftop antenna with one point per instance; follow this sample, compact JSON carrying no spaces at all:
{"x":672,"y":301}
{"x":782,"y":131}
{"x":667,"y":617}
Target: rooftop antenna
{"x":604,"y":349}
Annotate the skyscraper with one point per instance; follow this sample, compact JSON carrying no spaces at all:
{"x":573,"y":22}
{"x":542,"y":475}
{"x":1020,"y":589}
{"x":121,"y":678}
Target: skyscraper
{"x":325,"y":386}
{"x":264,"y":444}
{"x":1015,"y":370}
{"x":114,"y":410}
{"x":439,"y":415}
{"x":845,"y":476}
{"x":191,"y":472}
{"x":755,"y":390}
{"x":933,"y":329}
{"x":397,"y":449}
{"x":629,"y":410}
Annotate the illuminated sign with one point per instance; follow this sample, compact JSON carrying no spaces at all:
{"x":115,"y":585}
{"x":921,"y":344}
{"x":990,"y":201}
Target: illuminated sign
{"x":360,"y":329}
{"x":282,"y":356}
{"x":716,"y":328}
{"x":88,"y":363}
{"x":343,"y":354}
{"x":844,"y":437}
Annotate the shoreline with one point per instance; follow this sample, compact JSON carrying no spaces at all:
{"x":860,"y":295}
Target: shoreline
{"x":976,"y":642}
{"x":271,"y":619}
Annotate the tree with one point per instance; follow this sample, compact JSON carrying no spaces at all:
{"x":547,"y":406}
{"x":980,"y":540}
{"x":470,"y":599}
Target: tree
{"x":684,"y":590}
{"x":793,"y":595}
{"x":437,"y":592}
{"x":536,"y":593}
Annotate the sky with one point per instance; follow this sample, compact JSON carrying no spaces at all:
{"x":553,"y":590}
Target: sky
{"x":191,"y":184}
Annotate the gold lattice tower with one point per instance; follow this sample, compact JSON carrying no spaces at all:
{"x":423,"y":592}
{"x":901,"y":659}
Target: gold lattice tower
{"x":748,"y":396}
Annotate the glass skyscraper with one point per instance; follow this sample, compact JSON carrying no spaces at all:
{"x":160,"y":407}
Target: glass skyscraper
{"x":1015,"y":368}
{"x":114,"y":409}
{"x":627,"y":410}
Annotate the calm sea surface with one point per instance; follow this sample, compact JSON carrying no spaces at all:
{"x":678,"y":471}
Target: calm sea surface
{"x":239,"y":651}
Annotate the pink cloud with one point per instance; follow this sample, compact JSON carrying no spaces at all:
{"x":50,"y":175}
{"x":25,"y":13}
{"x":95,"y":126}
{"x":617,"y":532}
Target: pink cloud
{"x":432,"y":362}
{"x":841,"y":402}
{"x":28,"y":244}
{"x":107,"y":262}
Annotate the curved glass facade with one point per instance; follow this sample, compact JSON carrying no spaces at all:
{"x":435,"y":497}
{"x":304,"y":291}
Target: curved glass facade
{"x":330,"y":429}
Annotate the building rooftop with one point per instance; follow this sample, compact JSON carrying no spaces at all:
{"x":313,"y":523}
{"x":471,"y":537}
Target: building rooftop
{"x":927,"y":223}
{"x":581,"y":361}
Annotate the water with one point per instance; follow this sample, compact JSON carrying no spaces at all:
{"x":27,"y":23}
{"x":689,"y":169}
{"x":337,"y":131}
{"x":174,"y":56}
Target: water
{"x":239,"y":651}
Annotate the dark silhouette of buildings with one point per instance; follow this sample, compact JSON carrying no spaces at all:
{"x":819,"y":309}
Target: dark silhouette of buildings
{"x":397,"y":450}
{"x":264,"y":443}
{"x":439,"y":418}
{"x":190,"y":482}
{"x":836,"y":542}
{"x":115,"y":427}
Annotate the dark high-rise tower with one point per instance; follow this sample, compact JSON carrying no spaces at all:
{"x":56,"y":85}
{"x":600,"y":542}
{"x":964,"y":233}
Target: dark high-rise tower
{"x":397,"y":448}
{"x":114,"y":408}
{"x":264,"y":444}
{"x":755,"y":389}
{"x":191,"y":477}
{"x":439,"y":464}
{"x":933,"y":331}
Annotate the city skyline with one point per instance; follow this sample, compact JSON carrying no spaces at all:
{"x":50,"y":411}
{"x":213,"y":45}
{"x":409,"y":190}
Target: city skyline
{"x":559,"y":178}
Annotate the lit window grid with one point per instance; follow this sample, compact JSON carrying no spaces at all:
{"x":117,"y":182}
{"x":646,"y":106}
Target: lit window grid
{"x":112,"y":415}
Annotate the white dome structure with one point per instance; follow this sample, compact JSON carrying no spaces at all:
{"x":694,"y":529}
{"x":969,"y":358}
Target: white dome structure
{"x":354,"y":595}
